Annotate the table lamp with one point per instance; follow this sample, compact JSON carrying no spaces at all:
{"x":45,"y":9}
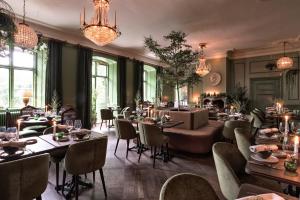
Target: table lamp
{"x":26,"y":96}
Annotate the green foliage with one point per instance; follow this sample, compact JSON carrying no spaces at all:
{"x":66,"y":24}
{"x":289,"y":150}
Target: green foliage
{"x":179,"y":58}
{"x":7,"y":28}
{"x":94,"y":108}
{"x":55,"y":102}
{"x":238,"y":98}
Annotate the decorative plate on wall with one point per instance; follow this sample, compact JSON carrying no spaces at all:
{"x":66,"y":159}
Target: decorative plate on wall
{"x":215,"y":78}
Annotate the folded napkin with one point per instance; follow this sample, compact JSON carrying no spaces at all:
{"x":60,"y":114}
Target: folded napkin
{"x":269,"y":130}
{"x":19,"y":144}
{"x":263,"y":147}
{"x":268,"y":196}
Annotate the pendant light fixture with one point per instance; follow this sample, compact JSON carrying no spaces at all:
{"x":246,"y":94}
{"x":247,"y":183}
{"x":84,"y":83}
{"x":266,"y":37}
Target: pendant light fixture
{"x":203,"y":68}
{"x":25,"y":37}
{"x":99,"y":30}
{"x":284,"y":62}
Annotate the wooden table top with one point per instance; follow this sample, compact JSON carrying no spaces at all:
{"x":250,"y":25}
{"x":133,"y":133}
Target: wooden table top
{"x":276,"y":172}
{"x":249,"y":190}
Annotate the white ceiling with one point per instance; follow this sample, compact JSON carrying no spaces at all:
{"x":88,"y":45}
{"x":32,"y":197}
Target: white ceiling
{"x":223,"y":24}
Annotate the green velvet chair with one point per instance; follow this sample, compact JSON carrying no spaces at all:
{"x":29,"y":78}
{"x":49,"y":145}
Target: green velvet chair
{"x":259,"y":122}
{"x":230,"y":165}
{"x":243,"y":141}
{"x":229,"y":126}
{"x":25,"y":178}
{"x":186,"y":186}
{"x":85,"y":157}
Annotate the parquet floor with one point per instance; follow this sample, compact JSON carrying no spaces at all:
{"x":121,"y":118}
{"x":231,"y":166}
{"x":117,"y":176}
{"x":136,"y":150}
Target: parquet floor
{"x":126,"y":179}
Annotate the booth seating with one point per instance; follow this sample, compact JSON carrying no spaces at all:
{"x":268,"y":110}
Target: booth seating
{"x":197,"y":134}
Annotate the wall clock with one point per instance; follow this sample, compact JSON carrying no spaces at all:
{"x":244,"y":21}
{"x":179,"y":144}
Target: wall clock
{"x":215,"y":78}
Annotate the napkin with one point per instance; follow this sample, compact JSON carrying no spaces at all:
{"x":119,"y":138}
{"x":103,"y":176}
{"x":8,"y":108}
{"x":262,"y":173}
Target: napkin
{"x":269,"y":130}
{"x":263,"y":147}
{"x":268,"y":196}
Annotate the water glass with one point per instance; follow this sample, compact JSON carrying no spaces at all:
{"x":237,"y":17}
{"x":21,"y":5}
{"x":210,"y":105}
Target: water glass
{"x":77,"y":124}
{"x":2,"y":129}
{"x":11,"y":133}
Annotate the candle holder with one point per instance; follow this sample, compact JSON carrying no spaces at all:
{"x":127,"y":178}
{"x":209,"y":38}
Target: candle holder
{"x":291,"y":164}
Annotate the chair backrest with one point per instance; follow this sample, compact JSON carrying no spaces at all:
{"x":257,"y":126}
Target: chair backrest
{"x":69,"y":114}
{"x":124,"y":110}
{"x":106,"y":114}
{"x":25,"y":178}
{"x":124,"y":129}
{"x":50,"y":130}
{"x":257,"y":120}
{"x":186,"y":186}
{"x":28,"y":110}
{"x":230,"y":163}
{"x":87,"y":156}
{"x":142,"y":134}
{"x":11,"y":117}
{"x":229,"y":126}
{"x":243,"y":140}
{"x":64,"y":108}
{"x":153,"y":135}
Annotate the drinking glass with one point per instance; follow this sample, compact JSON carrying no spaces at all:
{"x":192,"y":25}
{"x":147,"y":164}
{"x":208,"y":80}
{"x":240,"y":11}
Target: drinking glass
{"x":77,"y":124}
{"x":69,"y":124}
{"x":293,"y":127}
{"x":2,"y":129}
{"x":11,"y":133}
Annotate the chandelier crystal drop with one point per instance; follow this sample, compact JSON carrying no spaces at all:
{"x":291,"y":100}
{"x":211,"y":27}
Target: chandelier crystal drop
{"x":285,"y":62}
{"x":25,"y":37}
{"x":99,"y":30}
{"x":203,"y":68}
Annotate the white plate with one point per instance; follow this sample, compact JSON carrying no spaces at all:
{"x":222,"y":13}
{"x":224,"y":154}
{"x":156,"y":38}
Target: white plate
{"x":263,"y":136}
{"x":270,"y":160}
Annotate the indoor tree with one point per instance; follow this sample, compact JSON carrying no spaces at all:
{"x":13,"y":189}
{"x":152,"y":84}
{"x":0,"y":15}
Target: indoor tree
{"x":179,"y":57}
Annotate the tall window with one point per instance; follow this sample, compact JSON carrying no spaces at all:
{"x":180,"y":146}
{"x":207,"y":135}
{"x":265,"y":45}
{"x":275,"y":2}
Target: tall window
{"x":149,"y":85}
{"x":183,"y":95}
{"x":19,"y":75}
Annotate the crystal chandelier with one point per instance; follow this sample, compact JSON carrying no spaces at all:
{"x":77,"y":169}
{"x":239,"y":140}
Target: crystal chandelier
{"x":203,"y":68}
{"x":99,"y":30}
{"x":284,"y":62}
{"x":25,"y":37}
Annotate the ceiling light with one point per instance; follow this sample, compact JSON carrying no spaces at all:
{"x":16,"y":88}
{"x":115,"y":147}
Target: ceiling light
{"x":25,"y":37}
{"x":203,"y":68}
{"x":99,"y":30}
{"x":284,"y":62}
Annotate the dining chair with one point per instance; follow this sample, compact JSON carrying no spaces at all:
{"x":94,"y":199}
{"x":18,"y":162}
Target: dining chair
{"x":187,"y":186}
{"x":68,"y":114}
{"x":28,"y":110}
{"x":151,"y":136}
{"x":230,"y":125}
{"x":243,"y":140}
{"x":259,"y":121}
{"x":121,"y":115}
{"x":85,"y":157}
{"x":64,"y":108}
{"x":57,"y":155}
{"x":230,"y":166}
{"x":125,"y":131}
{"x":106,"y":116}
{"x":25,"y":178}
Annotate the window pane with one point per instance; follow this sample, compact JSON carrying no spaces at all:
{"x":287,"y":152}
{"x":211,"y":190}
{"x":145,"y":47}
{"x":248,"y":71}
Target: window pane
{"x":23,"y":81}
{"x":22,"y":58}
{"x":93,"y":68}
{"x":102,"y":91}
{"x":4,"y":88}
{"x":4,"y":60}
{"x":101,"y":70}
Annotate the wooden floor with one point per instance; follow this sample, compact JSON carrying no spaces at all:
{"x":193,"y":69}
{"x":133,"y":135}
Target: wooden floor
{"x":129,"y":180}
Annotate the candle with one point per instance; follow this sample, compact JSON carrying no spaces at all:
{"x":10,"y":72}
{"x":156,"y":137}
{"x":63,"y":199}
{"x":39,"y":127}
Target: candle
{"x":18,"y":129}
{"x":286,"y":129}
{"x":296,"y":146}
{"x":151,"y":113}
{"x":46,"y":109}
{"x":54,"y":127}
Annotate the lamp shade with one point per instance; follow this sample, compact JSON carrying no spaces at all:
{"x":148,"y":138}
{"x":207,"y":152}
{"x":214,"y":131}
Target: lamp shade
{"x":27,"y":93}
{"x":25,"y":37}
{"x":285,"y":63}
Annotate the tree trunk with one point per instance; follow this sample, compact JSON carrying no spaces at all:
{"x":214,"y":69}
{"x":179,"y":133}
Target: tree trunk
{"x":177,"y":87}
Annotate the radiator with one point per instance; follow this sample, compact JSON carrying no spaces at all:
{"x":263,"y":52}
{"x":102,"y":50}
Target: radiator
{"x":15,"y":114}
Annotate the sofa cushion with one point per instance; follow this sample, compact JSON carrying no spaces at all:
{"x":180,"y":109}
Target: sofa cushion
{"x":200,"y":118}
{"x":184,"y":116}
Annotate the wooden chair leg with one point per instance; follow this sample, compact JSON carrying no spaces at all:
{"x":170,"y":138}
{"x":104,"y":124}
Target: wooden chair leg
{"x":64,"y":181}
{"x":154,"y":156}
{"x":57,"y":175}
{"x":101,"y":124}
{"x":103,"y":182}
{"x":127,"y":148}
{"x":93,"y":176}
{"x":76,"y":187}
{"x":117,"y":146}
{"x":140,"y":151}
{"x":168,"y":153}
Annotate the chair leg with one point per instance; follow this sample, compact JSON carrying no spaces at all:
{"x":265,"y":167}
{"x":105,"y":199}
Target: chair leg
{"x":117,"y":146}
{"x":140,"y":151}
{"x":76,"y":187}
{"x":103,"y":182}
{"x":168,"y":153}
{"x":151,"y":149}
{"x":93,"y":176}
{"x":39,"y":198}
{"x":57,"y":175}
{"x":64,"y":181}
{"x":101,"y":124}
{"x":127,"y":148}
{"x":154,"y":156}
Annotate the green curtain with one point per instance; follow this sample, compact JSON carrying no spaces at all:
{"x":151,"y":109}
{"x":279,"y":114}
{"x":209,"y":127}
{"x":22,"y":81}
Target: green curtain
{"x":121,"y":77}
{"x":158,"y":82}
{"x":84,"y":86}
{"x":54,"y":71}
{"x":138,"y":79}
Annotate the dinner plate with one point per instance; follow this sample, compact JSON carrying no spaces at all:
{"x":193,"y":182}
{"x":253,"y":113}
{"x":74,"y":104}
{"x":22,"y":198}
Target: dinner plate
{"x":84,"y":138}
{"x":5,"y":155}
{"x":270,"y":160}
{"x":263,"y":136}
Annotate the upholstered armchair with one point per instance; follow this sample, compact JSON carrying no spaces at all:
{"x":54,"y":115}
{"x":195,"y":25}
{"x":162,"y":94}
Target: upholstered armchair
{"x":230,"y":165}
{"x":124,"y":131}
{"x":229,"y":126}
{"x":28,"y":110}
{"x":186,"y":186}
{"x":151,"y":135}
{"x":85,"y":157}
{"x":106,"y":116}
{"x":243,"y":140}
{"x":259,"y":121}
{"x":25,"y":178}
{"x":122,"y":113}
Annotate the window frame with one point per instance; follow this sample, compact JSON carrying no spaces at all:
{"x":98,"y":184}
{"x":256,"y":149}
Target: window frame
{"x":95,"y":76}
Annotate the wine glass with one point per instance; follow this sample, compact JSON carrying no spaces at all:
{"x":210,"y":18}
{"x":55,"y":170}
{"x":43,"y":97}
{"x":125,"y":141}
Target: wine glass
{"x":77,"y":124}
{"x":69,"y":124}
{"x":11,"y":133}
